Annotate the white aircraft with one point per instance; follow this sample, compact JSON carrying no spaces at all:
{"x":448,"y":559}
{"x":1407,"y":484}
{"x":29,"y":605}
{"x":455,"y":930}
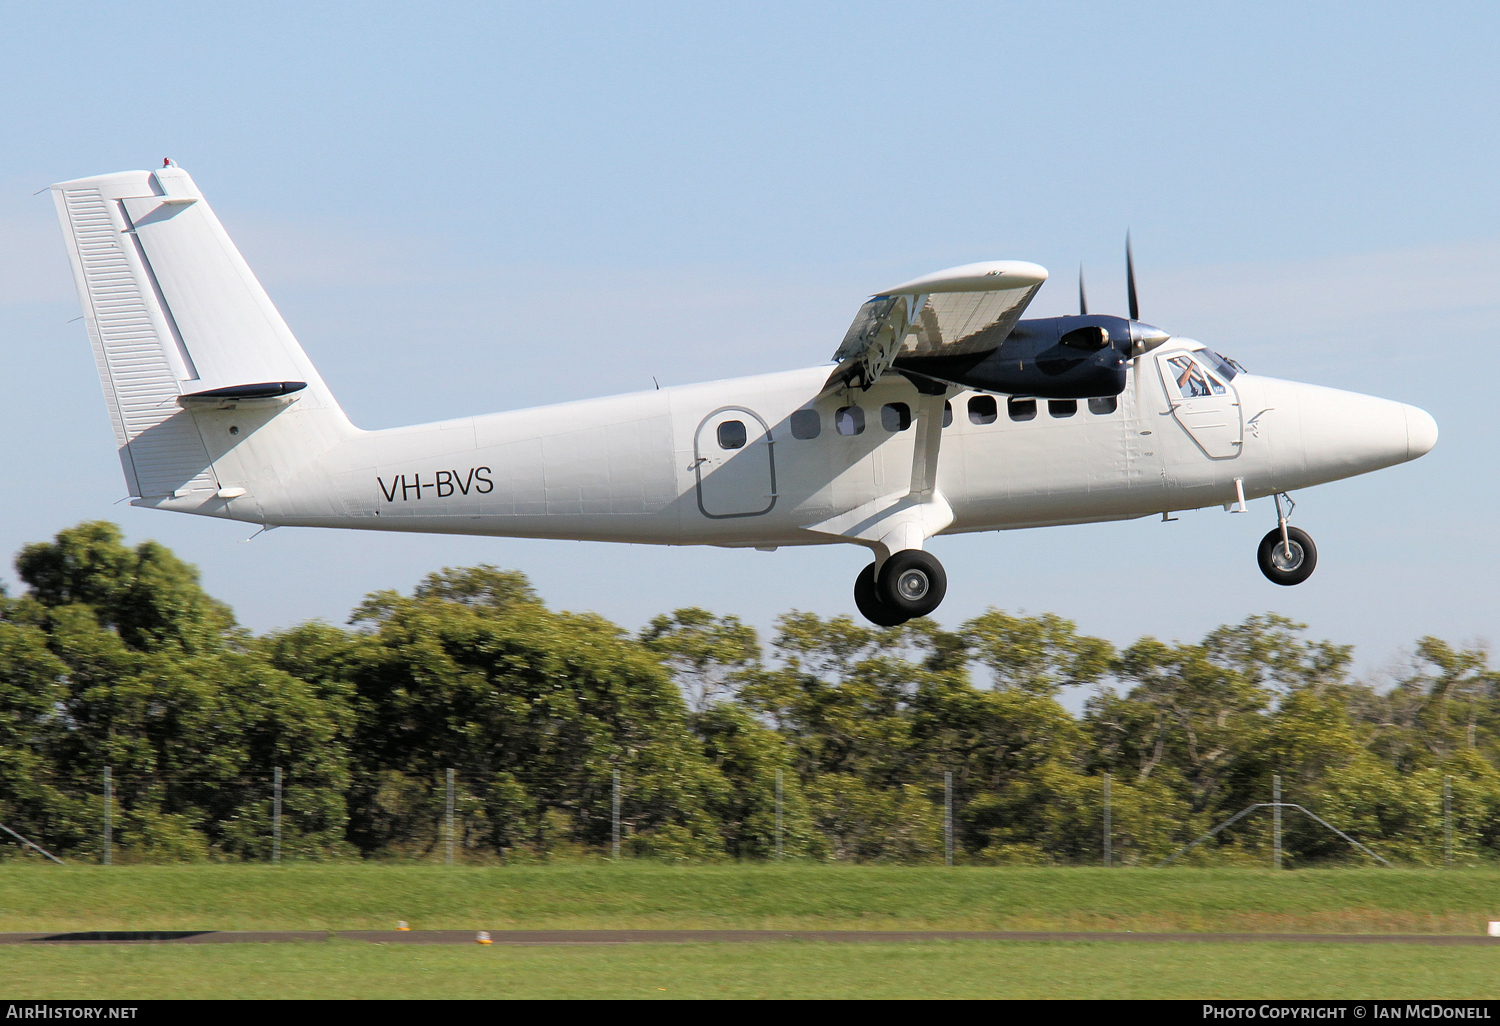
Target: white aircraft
{"x":945,"y":413}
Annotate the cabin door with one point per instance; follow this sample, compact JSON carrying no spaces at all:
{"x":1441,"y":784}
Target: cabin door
{"x":735,"y":462}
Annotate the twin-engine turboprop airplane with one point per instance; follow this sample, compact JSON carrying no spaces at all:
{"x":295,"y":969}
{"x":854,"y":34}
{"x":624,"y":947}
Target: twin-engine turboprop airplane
{"x":945,"y":413}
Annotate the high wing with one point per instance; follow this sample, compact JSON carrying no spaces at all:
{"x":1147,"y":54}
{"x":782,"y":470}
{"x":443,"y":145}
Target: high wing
{"x":968,"y":309}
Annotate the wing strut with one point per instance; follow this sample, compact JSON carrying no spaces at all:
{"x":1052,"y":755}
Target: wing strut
{"x":902,"y":520}
{"x":929,"y":439}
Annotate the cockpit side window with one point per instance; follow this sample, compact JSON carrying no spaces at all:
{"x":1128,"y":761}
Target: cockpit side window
{"x":1192,"y":380}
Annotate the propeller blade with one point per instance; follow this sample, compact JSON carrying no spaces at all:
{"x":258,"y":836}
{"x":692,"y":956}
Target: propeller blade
{"x":1135,"y":306}
{"x":1083,"y":299}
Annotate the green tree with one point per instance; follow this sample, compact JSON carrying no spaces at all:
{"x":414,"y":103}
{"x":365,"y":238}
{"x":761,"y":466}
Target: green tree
{"x":1040,"y":655}
{"x":748,"y":755}
{"x":706,"y":654}
{"x":534,"y":710}
{"x":150,"y":676}
{"x":1185,"y":717}
{"x":33,"y":692}
{"x":146,"y":594}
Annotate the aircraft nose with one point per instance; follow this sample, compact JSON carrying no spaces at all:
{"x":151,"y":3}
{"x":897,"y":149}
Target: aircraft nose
{"x":1421,"y":432}
{"x":1345,"y":433}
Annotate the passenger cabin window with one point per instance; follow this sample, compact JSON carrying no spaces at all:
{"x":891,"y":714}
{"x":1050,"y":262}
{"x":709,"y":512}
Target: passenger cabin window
{"x":849,"y":421}
{"x":1062,"y":407}
{"x":1192,"y":380}
{"x":1107,"y":404}
{"x":806,"y":424}
{"x":895,"y":417}
{"x":732,"y":434}
{"x":947,"y":415}
{"x":1021,"y":409}
{"x":982,"y":409}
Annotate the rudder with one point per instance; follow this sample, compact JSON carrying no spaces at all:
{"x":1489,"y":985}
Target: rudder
{"x":172,"y":309}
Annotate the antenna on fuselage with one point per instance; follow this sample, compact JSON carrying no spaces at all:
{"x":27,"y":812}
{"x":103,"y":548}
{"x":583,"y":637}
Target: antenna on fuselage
{"x":1083,"y":299}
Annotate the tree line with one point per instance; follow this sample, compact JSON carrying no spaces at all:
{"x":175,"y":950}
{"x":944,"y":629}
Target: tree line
{"x":115,"y":656}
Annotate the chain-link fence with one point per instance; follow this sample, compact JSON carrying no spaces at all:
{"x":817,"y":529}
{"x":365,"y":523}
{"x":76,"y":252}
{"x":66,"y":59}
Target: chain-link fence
{"x":446,"y":816}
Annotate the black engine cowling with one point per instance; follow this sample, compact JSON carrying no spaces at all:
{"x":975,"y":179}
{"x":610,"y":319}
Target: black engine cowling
{"x":1050,"y":358}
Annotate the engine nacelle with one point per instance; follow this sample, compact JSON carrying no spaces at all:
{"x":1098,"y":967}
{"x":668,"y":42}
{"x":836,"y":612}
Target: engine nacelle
{"x":1049,"y":357}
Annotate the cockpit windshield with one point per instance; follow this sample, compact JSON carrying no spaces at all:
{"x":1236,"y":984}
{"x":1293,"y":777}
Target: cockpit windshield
{"x":1227,"y":368}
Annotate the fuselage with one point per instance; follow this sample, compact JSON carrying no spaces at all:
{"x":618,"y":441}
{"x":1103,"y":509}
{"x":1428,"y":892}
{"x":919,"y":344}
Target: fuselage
{"x":944,"y":411}
{"x":756,"y":461}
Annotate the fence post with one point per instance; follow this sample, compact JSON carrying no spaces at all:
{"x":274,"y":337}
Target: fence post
{"x":778,"y":812}
{"x":1108,"y":846}
{"x":614,"y":818}
{"x":449,"y":817}
{"x":1276,"y":821}
{"x":1447,"y":822}
{"x":109,"y":817}
{"x":947,"y":817}
{"x":276,"y":814}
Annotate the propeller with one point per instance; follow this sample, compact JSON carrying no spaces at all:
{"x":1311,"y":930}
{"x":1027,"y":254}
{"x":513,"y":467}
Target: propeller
{"x":1144,"y":337}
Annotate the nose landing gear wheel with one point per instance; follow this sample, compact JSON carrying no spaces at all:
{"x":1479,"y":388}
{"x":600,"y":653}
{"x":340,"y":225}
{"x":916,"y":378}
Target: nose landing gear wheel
{"x":1289,"y":562}
{"x":868,"y":601}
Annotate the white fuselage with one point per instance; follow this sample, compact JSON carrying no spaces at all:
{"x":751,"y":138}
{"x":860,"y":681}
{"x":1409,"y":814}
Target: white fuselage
{"x":649,"y":467}
{"x":217,"y":410}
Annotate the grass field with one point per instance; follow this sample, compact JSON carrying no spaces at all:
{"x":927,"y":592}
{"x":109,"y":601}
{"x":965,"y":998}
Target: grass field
{"x":806,"y":896}
{"x":972,"y":969}
{"x":793,"y":896}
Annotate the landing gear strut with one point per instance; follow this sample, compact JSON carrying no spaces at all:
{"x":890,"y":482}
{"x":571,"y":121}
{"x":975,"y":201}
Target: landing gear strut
{"x":1287,"y":555}
{"x":911,"y":583}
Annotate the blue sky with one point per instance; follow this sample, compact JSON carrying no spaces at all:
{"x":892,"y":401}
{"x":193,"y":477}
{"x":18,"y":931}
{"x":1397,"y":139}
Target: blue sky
{"x":470,"y":208}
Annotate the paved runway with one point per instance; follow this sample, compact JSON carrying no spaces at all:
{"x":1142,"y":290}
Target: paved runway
{"x":595,"y":937}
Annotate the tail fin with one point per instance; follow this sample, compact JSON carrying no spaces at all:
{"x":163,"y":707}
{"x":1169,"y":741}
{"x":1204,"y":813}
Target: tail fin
{"x":172,"y":309}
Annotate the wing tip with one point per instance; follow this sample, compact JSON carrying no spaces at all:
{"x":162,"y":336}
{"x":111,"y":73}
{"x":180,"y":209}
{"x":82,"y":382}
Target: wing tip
{"x":984,"y":276}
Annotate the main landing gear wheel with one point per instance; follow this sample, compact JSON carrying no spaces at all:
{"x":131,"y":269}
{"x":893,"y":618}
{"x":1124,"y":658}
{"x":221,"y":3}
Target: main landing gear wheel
{"x":1287,"y":561}
{"x":868,"y":601}
{"x":912,"y":582}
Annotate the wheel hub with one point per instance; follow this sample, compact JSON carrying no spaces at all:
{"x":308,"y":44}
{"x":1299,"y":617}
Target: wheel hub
{"x":1287,"y":556}
{"x":912,"y":585}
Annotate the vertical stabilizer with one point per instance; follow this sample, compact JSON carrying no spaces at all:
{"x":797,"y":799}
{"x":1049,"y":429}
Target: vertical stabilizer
{"x":172,"y":309}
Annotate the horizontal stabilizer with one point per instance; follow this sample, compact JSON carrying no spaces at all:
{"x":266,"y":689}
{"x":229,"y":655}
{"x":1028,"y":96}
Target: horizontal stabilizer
{"x":263,"y":390}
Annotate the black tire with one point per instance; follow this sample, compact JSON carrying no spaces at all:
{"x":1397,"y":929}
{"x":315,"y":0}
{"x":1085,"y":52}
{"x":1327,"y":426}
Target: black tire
{"x":912,"y":582}
{"x":1275,"y":564}
{"x":869,"y":603}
